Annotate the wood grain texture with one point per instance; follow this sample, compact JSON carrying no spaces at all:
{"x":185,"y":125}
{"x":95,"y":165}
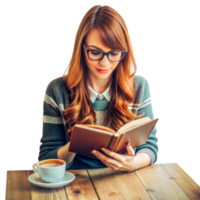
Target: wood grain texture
{"x":188,"y":184}
{"x":158,"y":181}
{"x":111,"y":184}
{"x":18,"y":186}
{"x":159,"y":184}
{"x":81,"y":188}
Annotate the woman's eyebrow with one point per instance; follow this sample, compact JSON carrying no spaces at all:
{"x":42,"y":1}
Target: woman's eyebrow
{"x":98,"y":48}
{"x":95,"y":47}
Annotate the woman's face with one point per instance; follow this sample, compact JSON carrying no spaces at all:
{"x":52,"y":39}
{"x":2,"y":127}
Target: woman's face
{"x":102,"y":69}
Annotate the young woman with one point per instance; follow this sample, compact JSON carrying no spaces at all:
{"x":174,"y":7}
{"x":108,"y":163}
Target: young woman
{"x":101,"y":89}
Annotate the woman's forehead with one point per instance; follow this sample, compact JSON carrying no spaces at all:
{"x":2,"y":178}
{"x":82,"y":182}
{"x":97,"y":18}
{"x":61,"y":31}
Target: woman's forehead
{"x":93,"y":38}
{"x":93,"y":35}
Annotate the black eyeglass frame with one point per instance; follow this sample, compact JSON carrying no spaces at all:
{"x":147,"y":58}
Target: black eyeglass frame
{"x":104,"y":53}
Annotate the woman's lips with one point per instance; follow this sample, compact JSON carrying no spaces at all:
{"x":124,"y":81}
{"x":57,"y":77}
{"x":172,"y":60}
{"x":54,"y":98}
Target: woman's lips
{"x":102,"y":70}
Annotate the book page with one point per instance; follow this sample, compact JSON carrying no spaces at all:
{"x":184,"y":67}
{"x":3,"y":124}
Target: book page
{"x":134,"y":123}
{"x":102,"y":128}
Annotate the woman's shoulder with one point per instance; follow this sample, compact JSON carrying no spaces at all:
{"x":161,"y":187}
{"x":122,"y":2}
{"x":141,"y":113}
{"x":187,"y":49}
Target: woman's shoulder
{"x":56,"y":83}
{"x":140,"y":82}
{"x":141,"y":88}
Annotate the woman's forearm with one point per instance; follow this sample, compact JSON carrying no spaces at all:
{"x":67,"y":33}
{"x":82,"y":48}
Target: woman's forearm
{"x":64,"y":154}
{"x":142,"y":160}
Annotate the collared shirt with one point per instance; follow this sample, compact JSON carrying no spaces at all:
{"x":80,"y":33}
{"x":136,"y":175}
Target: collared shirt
{"x":94,"y":95}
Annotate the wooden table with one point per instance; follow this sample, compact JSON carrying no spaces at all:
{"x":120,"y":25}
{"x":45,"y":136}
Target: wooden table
{"x":158,"y":181}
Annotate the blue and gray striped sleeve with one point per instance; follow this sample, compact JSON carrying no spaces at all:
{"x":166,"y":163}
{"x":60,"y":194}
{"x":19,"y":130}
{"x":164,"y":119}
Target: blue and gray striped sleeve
{"x":144,"y":105}
{"x":54,"y":130}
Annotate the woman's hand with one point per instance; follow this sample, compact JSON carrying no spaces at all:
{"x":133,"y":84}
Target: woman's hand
{"x":116,"y":161}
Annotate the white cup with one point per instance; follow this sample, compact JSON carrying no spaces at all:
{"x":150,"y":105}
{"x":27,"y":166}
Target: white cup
{"x":49,"y":173}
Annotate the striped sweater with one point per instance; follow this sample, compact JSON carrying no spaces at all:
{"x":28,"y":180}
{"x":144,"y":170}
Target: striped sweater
{"x":54,"y":126}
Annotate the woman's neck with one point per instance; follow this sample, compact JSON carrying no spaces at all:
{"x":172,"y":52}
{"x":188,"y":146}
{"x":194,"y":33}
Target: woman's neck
{"x":99,"y":86}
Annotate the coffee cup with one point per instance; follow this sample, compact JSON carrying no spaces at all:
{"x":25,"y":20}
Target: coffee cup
{"x":51,"y":170}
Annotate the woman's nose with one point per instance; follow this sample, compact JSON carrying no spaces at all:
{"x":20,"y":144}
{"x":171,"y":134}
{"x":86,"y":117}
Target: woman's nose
{"x":104,"y":60}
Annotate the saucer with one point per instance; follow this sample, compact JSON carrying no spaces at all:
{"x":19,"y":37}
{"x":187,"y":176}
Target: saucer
{"x":36,"y":180}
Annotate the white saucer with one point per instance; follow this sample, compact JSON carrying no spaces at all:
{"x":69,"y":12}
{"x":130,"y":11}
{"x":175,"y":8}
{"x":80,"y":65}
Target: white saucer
{"x":35,"y":179}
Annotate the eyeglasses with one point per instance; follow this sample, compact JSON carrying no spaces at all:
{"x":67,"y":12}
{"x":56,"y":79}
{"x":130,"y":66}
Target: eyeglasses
{"x":113,"y":56}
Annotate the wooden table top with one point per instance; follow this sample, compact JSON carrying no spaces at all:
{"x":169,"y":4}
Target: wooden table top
{"x":158,"y":181}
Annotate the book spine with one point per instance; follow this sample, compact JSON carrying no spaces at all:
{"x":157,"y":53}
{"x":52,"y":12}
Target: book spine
{"x":113,"y":143}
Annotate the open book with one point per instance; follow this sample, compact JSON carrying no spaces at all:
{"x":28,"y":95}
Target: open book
{"x":85,"y":138}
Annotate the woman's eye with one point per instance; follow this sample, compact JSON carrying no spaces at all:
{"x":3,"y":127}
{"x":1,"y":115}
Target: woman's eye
{"x":114,"y":53}
{"x":95,"y":52}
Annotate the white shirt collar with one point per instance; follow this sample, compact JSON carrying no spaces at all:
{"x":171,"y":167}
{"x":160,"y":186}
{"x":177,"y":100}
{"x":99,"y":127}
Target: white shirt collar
{"x":93,"y":94}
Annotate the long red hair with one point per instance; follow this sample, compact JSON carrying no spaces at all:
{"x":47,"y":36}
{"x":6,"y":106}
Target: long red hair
{"x":114,"y":34}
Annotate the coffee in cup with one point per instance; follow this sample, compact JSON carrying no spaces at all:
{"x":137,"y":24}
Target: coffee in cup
{"x":51,"y":170}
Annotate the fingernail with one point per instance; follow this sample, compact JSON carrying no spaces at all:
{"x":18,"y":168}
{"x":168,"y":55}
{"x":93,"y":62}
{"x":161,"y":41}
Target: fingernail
{"x":94,"y":151}
{"x":102,"y":149}
{"x":129,"y":144}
